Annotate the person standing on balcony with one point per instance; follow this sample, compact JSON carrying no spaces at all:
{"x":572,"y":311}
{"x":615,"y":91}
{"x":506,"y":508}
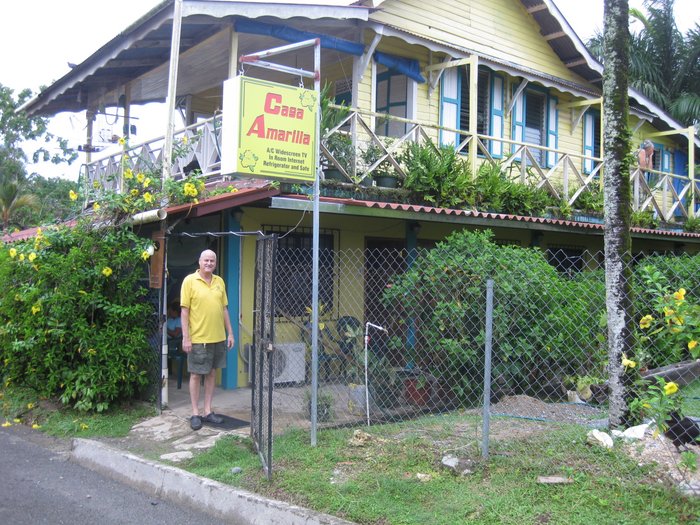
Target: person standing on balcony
{"x":205,"y":323}
{"x":645,"y":155}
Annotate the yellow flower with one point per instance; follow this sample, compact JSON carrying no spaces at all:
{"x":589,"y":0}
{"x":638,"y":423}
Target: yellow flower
{"x":83,"y":426}
{"x":692,"y":344}
{"x":106,"y":271}
{"x":679,"y":295}
{"x":39,"y":233}
{"x":185,"y":139}
{"x":95,"y":206}
{"x":72,"y":195}
{"x":36,"y":309}
{"x":628,"y":363}
{"x":6,"y":424}
{"x":189,"y":189}
{"x":128,"y":173}
{"x":147,"y":182}
{"x":148,"y":197}
{"x":31,"y":257}
{"x":21,"y":256}
{"x":670,"y":388}
{"x":140,"y":177}
{"x":16,"y":420}
{"x":95,"y":185}
{"x":13,"y":252}
{"x":646,"y":321}
{"x":679,"y":319}
{"x":30,"y":405}
{"x":36,"y":426}
{"x":122,"y":141}
{"x":668,"y":312}
{"x":134,"y":192}
{"x":145,"y":255}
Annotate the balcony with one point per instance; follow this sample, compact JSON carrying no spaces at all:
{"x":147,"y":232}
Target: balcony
{"x":563,"y":174}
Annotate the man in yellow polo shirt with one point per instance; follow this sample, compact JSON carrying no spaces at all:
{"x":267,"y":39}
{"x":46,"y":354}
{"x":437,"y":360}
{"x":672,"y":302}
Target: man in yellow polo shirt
{"x":205,"y":323}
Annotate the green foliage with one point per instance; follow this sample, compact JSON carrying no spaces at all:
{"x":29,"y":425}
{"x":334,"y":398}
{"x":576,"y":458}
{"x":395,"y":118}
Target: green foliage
{"x":656,"y":401}
{"x":664,"y":63}
{"x":692,"y":224}
{"x":494,"y":190}
{"x":16,"y":127}
{"x":133,"y":191}
{"x":552,"y":326}
{"x":669,"y":320}
{"x":590,"y":200}
{"x":54,"y":204}
{"x":644,"y":219}
{"x":439,"y":175}
{"x":74,"y":322}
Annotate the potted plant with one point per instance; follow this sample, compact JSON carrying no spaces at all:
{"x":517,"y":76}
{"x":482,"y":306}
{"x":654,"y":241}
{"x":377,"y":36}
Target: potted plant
{"x":384,"y":174}
{"x":342,"y":157}
{"x":417,"y":389}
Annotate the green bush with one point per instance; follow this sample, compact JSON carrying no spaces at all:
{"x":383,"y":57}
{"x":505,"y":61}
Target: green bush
{"x":439,"y":175}
{"x":546,"y":326}
{"x":74,"y":320}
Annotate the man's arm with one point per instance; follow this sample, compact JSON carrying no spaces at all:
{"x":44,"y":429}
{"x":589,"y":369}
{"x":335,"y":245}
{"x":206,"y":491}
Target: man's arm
{"x":229,"y":330}
{"x":185,"y":321}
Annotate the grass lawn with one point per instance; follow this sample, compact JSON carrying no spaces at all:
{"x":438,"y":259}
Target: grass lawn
{"x":396,"y":478}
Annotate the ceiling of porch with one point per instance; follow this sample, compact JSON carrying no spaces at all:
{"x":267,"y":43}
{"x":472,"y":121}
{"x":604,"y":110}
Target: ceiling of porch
{"x":140,"y":55}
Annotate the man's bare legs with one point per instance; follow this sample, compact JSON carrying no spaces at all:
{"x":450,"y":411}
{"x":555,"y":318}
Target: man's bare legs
{"x":209,"y":384}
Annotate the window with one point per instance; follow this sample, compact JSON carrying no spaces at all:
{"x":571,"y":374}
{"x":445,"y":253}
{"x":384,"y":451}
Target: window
{"x":535,"y":121}
{"x":566,"y":259}
{"x":392,"y":98}
{"x":455,"y":106}
{"x":591,"y":138}
{"x":293,"y":272}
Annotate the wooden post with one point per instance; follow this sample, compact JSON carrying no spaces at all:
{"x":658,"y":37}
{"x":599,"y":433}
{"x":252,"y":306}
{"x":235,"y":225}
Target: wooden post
{"x":473,"y":103}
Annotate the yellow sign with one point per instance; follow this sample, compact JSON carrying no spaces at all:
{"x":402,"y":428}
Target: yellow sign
{"x":269,"y":130}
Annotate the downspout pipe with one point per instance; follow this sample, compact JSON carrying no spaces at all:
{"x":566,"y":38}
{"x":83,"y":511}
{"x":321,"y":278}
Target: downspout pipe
{"x":148,"y":216}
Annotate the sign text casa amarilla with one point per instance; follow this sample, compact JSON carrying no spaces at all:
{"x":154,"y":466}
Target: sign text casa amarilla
{"x":269,"y":130}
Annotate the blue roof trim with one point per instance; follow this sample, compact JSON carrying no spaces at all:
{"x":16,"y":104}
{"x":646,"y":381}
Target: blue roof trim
{"x":295,"y":35}
{"x":406,"y":66}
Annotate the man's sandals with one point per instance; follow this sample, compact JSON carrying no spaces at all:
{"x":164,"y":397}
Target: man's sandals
{"x":196,"y":421}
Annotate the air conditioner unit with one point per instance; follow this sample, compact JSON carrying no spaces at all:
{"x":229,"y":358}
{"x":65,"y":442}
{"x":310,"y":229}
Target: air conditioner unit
{"x":289,"y":363}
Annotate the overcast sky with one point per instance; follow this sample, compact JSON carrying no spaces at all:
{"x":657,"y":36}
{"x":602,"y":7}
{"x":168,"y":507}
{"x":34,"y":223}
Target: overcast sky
{"x":40,"y":37}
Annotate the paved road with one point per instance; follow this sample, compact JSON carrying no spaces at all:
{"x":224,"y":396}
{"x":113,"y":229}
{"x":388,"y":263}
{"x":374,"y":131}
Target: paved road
{"x":39,"y":485}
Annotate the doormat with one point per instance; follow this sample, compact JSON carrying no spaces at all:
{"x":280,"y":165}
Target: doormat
{"x":228,"y":423}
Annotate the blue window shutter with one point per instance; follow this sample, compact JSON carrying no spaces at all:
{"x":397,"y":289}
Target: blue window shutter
{"x":552,"y":129}
{"x":588,"y":140}
{"x":496,"y":120}
{"x":449,"y":106}
{"x":518,"y":118}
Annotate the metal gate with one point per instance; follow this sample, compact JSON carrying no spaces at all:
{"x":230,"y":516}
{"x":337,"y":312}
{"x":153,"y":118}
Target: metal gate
{"x":263,"y":337}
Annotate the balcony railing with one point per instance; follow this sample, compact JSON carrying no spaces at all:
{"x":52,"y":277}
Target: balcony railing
{"x":197,"y":147}
{"x":667,"y":195}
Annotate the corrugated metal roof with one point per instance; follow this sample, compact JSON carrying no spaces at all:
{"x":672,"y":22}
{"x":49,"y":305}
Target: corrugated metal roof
{"x":573,"y":225}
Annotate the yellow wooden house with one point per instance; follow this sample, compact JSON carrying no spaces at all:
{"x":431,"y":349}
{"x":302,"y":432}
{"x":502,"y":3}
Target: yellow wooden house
{"x":505,"y":82}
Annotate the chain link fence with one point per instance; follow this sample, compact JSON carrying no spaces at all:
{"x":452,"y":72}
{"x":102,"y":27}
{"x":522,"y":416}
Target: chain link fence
{"x":403,"y":339}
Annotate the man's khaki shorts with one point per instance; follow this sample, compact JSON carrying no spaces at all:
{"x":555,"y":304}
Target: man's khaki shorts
{"x":205,"y":356}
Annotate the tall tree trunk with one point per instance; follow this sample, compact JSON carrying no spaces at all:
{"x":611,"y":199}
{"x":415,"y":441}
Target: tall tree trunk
{"x":617,"y":199}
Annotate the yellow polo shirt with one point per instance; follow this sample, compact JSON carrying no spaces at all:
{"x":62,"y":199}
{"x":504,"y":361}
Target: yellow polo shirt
{"x":206,"y":303}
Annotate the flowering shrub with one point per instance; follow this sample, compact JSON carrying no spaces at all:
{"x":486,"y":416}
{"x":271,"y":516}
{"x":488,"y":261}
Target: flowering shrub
{"x":142,"y":189}
{"x":73,"y":320}
{"x":671,"y":332}
{"x":656,"y":402}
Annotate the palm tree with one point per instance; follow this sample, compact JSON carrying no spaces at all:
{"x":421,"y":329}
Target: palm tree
{"x":12,"y":198}
{"x":664,"y":63}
